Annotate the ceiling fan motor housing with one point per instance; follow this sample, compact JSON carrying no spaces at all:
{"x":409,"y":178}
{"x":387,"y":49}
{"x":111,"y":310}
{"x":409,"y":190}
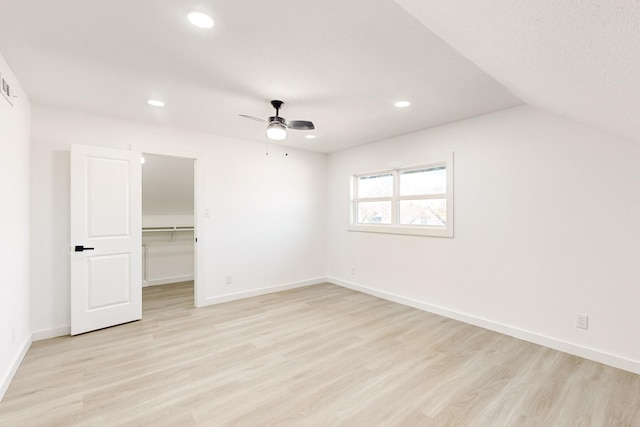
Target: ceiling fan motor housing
{"x":276,"y":119}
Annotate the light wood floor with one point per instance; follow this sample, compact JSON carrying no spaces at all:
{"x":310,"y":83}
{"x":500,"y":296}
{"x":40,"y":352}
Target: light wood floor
{"x":316,"y":356}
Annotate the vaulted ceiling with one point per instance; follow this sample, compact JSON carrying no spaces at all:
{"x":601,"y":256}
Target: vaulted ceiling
{"x":341,"y":63}
{"x":580,"y":59}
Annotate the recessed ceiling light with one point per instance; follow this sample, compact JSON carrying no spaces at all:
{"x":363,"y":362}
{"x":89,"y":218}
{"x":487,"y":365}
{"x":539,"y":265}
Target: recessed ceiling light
{"x":155,"y":103}
{"x":310,"y":136}
{"x":201,"y":20}
{"x":402,"y":104}
{"x":142,"y":160}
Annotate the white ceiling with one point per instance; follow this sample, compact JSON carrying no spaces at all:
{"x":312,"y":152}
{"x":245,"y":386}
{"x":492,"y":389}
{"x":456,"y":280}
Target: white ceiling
{"x":578,"y":58}
{"x":340,"y":63}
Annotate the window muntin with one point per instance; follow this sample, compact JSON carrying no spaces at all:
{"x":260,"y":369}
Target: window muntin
{"x":416,"y":200}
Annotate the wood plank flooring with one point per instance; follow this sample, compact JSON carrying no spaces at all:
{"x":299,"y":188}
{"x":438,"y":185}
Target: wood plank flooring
{"x":316,"y":356}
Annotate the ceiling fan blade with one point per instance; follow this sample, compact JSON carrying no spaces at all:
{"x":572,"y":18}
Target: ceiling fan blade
{"x":300,"y":125}
{"x":253,"y":118}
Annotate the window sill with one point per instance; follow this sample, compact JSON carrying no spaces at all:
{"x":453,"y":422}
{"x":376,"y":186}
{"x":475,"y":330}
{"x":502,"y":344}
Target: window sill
{"x":404,"y":229}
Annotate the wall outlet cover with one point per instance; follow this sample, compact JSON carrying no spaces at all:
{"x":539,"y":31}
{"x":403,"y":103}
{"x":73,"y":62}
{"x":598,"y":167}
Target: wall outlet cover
{"x":582,"y":321}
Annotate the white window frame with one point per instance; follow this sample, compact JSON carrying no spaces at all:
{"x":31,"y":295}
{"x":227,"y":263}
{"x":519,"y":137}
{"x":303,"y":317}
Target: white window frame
{"x":395,"y":227}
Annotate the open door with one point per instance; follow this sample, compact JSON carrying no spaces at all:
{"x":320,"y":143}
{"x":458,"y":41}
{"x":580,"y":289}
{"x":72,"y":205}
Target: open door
{"x":106,"y":222}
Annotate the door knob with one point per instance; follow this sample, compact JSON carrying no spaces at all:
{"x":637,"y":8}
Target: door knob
{"x":82,"y":248}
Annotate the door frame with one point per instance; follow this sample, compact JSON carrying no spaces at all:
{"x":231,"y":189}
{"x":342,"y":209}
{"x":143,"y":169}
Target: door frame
{"x":198,"y":210}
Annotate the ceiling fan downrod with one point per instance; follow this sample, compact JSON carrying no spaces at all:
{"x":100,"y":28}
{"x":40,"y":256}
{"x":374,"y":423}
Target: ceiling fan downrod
{"x":277,"y":105}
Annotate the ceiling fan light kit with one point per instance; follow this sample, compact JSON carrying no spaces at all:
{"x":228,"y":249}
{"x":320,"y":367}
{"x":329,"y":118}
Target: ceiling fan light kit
{"x":277,"y":126}
{"x":276,"y":131}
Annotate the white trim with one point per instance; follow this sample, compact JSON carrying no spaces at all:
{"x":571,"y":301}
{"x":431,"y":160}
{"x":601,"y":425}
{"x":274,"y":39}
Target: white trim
{"x":166,"y":280}
{"x":414,"y":230}
{"x":66,"y":330}
{"x":45,"y":334}
{"x":13,"y":367}
{"x":546,"y":341}
{"x":262,"y":291}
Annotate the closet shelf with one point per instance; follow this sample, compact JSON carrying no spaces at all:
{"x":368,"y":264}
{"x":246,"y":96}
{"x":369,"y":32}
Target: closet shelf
{"x":170,"y":228}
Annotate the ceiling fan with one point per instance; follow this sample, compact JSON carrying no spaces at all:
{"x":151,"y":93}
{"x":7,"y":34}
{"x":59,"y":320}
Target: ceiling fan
{"x":277,"y":126}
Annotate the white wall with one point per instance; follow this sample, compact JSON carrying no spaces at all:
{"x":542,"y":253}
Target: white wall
{"x":547,"y":225}
{"x":167,"y":187}
{"x":14,"y":237}
{"x":267,"y":213}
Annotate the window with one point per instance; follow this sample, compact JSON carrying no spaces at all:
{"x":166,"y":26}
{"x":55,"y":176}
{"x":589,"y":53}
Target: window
{"x":375,"y":194}
{"x":416,"y":200}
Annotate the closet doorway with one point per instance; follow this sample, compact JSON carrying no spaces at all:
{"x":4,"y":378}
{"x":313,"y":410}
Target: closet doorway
{"x":168,"y":222}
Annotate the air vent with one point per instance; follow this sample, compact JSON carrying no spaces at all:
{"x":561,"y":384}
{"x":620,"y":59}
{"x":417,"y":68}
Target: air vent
{"x":6,"y":90}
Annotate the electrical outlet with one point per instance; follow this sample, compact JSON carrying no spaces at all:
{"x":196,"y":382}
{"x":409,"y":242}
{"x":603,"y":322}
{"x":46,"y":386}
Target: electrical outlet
{"x":13,"y":334}
{"x":227,"y":279}
{"x":353,"y":270}
{"x":582,"y":321}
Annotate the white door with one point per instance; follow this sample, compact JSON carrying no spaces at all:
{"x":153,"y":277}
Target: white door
{"x":106,"y":237}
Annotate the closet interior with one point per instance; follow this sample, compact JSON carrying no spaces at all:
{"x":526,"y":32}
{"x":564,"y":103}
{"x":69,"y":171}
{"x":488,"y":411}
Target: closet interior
{"x":167,"y":220}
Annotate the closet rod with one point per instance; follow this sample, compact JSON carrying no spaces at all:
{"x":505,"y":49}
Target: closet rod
{"x":152,"y":229}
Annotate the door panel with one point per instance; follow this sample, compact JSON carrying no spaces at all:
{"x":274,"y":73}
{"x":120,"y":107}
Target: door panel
{"x":108,"y":281}
{"x":108,"y":203}
{"x":106,"y":217}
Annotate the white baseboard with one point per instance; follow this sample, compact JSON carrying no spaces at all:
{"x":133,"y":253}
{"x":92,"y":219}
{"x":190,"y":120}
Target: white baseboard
{"x":166,"y":280}
{"x":554,"y":343}
{"x":262,"y":291}
{"x":66,"y":330}
{"x":13,"y":367}
{"x":45,"y":334}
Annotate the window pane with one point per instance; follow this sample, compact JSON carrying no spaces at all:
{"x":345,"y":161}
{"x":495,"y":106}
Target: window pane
{"x":374,"y":212}
{"x":375,"y":186}
{"x":423,"y":212}
{"x":423,"y":181}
